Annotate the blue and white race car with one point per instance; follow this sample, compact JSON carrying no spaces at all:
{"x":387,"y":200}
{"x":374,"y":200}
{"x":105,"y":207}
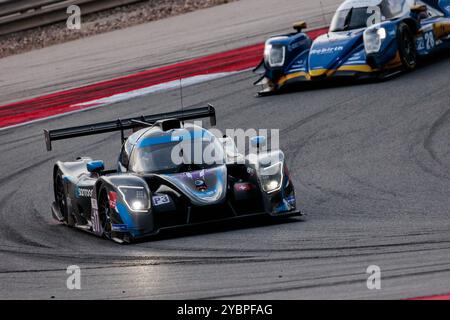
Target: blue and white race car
{"x":367,"y":38}
{"x":159,"y":184}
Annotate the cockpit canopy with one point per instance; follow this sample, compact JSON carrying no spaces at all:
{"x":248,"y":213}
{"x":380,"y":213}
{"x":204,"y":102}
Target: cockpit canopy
{"x":188,"y":149}
{"x":358,"y":14}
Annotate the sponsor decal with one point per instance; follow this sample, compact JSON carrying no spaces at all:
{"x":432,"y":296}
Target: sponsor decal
{"x":161,"y":200}
{"x":119,"y":227}
{"x":95,"y":219}
{"x":199,"y":180}
{"x":94,"y":204}
{"x":357,"y":57}
{"x":112,"y":196}
{"x":243,"y":187}
{"x":200,"y":184}
{"x":291,"y":200}
{"x":200,"y":174}
{"x":329,"y":50}
{"x":296,"y":45}
{"x":96,"y":225}
{"x":84,"y":192}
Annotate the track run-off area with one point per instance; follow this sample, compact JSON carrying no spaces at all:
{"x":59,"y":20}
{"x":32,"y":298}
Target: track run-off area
{"x":371,"y":167}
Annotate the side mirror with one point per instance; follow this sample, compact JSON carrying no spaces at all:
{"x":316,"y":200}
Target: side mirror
{"x":419,"y":8}
{"x":258,"y":142}
{"x":95,"y":166}
{"x":299,"y":26}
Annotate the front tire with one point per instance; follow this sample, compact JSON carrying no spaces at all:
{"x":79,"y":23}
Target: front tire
{"x":60,"y":196}
{"x":406,"y":47}
{"x":61,"y":199}
{"x":104,"y":212}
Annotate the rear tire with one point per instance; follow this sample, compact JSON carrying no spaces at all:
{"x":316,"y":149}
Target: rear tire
{"x":406,"y":47}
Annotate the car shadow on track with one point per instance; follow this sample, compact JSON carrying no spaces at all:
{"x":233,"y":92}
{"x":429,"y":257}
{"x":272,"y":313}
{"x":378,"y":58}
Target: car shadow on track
{"x":218,"y":227}
{"x":244,"y":223}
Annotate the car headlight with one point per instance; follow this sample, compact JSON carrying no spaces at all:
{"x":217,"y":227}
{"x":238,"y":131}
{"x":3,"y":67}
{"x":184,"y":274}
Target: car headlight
{"x":275,"y":55}
{"x":373,"y":38}
{"x":136,"y":198}
{"x":272,"y":177}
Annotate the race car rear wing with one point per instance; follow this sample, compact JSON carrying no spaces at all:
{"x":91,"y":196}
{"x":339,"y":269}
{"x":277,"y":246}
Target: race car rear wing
{"x":128,"y":124}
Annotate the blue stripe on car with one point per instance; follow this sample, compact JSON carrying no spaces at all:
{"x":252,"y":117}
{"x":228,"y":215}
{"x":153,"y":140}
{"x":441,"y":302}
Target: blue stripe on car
{"x":126,"y":218}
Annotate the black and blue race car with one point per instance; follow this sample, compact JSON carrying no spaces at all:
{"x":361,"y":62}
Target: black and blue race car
{"x":366,"y":39}
{"x":158,"y":184}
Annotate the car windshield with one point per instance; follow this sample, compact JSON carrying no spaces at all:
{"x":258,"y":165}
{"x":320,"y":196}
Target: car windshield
{"x":350,"y":19}
{"x":196,"y":154}
{"x":353,"y":17}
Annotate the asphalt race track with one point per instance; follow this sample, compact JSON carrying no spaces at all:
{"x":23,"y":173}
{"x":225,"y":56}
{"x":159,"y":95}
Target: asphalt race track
{"x":371,"y":163}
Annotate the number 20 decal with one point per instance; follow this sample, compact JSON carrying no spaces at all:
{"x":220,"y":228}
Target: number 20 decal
{"x":429,"y":40}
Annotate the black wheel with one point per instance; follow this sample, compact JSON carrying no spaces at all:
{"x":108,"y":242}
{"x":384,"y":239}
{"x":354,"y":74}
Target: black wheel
{"x":406,"y":47}
{"x":104,"y":212}
{"x":61,"y":200}
{"x":60,"y":196}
